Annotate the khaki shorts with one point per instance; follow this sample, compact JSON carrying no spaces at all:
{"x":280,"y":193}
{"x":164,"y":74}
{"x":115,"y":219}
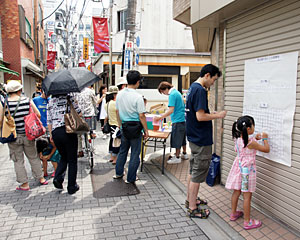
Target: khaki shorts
{"x":199,"y":162}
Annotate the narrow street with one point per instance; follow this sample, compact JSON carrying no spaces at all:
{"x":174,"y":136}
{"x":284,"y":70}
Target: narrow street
{"x":46,"y":213}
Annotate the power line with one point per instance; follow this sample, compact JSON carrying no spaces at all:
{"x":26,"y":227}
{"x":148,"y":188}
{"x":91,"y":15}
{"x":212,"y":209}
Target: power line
{"x":52,"y":12}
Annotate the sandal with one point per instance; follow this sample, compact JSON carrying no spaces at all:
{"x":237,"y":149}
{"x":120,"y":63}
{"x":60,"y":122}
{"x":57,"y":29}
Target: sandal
{"x":253,"y":223}
{"x":44,"y":183}
{"x":19,"y":188}
{"x":201,"y":202}
{"x":234,"y":217}
{"x":195,"y":213}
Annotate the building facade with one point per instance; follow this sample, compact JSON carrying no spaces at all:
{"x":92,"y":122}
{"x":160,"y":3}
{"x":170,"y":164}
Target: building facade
{"x":23,"y":41}
{"x":237,"y":32}
{"x":165,"y":48}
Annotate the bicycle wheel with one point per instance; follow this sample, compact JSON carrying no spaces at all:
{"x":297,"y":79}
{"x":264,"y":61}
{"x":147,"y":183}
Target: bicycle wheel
{"x":89,"y":150}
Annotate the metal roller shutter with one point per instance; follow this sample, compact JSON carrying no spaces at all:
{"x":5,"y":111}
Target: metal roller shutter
{"x":272,"y":28}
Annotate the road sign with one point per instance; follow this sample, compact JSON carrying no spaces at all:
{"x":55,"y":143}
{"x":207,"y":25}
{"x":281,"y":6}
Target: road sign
{"x":137,"y":58}
{"x":129,"y":45}
{"x":85,"y":48}
{"x":138,"y":41}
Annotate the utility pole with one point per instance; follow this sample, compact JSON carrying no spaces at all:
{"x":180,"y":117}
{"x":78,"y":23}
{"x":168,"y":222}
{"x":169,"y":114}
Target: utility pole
{"x":130,"y":23}
{"x":130,"y":30}
{"x":110,"y":42}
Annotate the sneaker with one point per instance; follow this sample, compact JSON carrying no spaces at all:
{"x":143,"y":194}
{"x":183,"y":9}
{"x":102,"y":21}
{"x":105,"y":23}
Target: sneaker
{"x":184,"y":156}
{"x":174,"y":160}
{"x":118,"y":176}
{"x":104,"y":137}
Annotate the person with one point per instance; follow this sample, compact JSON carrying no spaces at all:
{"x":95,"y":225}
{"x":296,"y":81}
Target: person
{"x":87,"y":102}
{"x":177,"y":112}
{"x":130,"y":113}
{"x":21,"y":104}
{"x":122,"y":83}
{"x":112,"y":121}
{"x":41,"y":103}
{"x":242,"y":176}
{"x":47,"y":152}
{"x":199,"y":134}
{"x":38,"y":90}
{"x":66,"y":143}
{"x":101,"y":101}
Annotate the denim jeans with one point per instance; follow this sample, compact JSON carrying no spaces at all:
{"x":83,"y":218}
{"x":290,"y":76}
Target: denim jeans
{"x":135,"y":145}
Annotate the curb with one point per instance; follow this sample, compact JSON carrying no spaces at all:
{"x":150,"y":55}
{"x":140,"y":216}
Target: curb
{"x":214,"y":227}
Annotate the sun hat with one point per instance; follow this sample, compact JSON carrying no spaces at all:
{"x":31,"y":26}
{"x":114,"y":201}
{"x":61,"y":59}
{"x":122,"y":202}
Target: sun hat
{"x":112,"y":89}
{"x":122,"y":80}
{"x":13,"y":86}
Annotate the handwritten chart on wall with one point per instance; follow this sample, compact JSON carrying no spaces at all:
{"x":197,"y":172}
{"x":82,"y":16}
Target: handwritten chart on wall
{"x":270,"y":97}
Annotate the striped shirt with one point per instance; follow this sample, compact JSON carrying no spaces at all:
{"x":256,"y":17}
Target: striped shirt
{"x":22,"y":111}
{"x":56,"y":110}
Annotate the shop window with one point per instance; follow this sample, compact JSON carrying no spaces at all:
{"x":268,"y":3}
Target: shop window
{"x":153,"y":82}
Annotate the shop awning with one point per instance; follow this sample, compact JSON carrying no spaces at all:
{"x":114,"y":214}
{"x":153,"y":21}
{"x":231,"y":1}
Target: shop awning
{"x":32,"y":67}
{"x":7,"y":70}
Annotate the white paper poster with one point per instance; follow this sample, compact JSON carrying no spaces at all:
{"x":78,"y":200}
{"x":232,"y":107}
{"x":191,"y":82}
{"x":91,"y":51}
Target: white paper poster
{"x":270,"y":97}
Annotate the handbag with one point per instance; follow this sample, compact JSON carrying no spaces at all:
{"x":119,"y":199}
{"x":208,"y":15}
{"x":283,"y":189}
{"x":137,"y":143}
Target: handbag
{"x":73,"y":122}
{"x":106,"y":128}
{"x":132,"y":129}
{"x":8,"y":130}
{"x":33,"y":125}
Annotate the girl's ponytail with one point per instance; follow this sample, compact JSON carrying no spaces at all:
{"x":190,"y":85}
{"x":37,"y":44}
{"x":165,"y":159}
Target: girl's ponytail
{"x":235,"y":132}
{"x":240,"y":126}
{"x":245,"y":134}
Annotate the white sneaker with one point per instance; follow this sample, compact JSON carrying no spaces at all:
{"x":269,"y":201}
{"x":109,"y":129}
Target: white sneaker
{"x":104,"y":136}
{"x":184,"y":156}
{"x":174,"y":160}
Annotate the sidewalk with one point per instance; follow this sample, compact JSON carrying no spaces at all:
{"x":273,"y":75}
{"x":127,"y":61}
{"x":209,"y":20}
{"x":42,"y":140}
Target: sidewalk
{"x":46,"y":213}
{"x":220,"y":202}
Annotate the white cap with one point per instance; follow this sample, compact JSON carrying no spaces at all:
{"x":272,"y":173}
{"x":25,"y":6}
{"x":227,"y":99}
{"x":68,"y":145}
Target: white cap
{"x":13,"y":86}
{"x":122,"y":80}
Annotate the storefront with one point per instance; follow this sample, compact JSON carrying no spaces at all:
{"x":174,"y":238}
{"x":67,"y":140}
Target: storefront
{"x":266,"y":31}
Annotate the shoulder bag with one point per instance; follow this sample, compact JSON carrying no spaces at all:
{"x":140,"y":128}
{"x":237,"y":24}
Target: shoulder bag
{"x":106,"y":128}
{"x":73,"y":122}
{"x":8,"y":130}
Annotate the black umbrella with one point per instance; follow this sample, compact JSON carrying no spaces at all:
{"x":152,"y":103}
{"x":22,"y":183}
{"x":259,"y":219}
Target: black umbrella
{"x":68,"y":80}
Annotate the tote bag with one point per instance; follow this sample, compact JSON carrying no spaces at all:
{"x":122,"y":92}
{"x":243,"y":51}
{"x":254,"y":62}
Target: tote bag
{"x":33,"y":125}
{"x":73,"y":122}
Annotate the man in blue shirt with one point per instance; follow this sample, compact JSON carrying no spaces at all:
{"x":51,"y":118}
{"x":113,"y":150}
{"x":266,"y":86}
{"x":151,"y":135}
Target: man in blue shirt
{"x":177,"y":112}
{"x":41,"y":103}
{"x":131,"y":116}
{"x":199,"y":134}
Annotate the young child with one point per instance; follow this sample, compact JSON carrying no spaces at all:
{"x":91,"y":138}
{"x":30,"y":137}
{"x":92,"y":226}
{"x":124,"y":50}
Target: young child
{"x":47,"y":152}
{"x":242,"y":176}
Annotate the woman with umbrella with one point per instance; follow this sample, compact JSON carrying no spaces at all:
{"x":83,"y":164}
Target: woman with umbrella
{"x":61,"y":84}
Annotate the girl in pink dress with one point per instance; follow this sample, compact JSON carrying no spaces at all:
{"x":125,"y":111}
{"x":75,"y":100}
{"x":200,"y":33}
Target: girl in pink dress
{"x":242,"y":176}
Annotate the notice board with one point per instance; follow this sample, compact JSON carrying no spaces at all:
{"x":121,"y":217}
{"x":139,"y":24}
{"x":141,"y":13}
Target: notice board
{"x":270,"y":97}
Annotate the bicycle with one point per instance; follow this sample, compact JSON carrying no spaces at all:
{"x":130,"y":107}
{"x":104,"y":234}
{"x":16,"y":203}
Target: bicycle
{"x":89,"y":140}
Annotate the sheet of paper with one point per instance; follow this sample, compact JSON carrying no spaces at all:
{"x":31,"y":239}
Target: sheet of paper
{"x":270,"y":97}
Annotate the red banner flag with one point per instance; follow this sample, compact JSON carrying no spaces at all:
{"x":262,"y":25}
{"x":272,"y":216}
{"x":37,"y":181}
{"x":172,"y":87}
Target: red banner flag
{"x":51,"y":60}
{"x":101,"y":36}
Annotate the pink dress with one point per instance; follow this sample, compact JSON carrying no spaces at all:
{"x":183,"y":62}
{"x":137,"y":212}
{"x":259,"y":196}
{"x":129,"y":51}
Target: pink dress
{"x":247,"y":156}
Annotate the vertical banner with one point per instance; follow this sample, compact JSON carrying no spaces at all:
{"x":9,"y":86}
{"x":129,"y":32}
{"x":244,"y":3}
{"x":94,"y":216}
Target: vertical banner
{"x":51,"y":60}
{"x":101,"y":35}
{"x":85,"y":48}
